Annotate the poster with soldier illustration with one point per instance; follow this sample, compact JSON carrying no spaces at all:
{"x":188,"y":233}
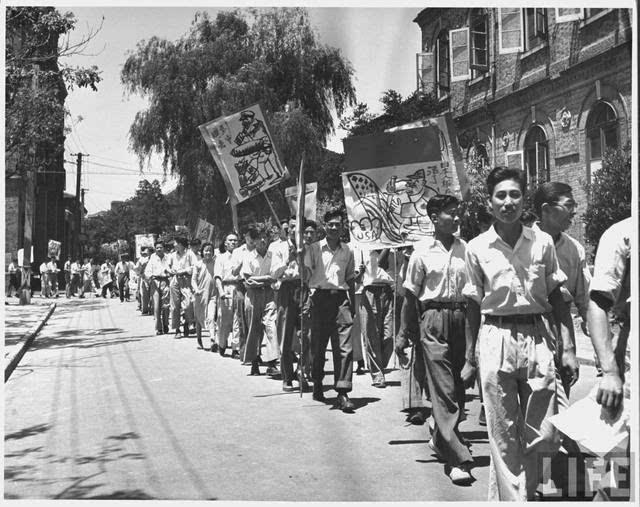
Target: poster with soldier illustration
{"x":242,"y":147}
{"x":392,"y":176}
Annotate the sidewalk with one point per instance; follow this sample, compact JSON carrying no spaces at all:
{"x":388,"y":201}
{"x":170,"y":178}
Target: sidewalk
{"x":19,"y":320}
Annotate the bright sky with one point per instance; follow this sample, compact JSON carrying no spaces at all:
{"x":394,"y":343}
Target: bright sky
{"x":380,"y":43}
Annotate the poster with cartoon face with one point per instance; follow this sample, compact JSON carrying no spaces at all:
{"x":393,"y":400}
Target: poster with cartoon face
{"x":242,"y":147}
{"x":391,"y":178}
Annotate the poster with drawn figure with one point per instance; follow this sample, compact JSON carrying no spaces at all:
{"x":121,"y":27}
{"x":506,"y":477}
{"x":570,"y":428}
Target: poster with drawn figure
{"x":204,"y":231}
{"x":310,"y":200}
{"x":387,"y":206}
{"x":144,"y":241}
{"x":242,"y":147}
{"x":53,"y":249}
{"x":391,"y":176}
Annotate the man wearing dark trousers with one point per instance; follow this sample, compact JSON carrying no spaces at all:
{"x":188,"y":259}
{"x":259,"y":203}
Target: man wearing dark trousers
{"x":331,"y":266}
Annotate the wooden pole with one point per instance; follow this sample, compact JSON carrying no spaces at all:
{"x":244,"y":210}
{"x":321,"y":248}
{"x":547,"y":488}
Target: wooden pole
{"x":234,"y":216}
{"x":273,"y":211}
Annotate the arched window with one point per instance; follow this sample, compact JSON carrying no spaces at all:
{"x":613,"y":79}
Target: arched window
{"x":479,"y":23}
{"x":478,"y":152}
{"x":442,"y":64}
{"x":602,"y":131}
{"x":536,"y":156}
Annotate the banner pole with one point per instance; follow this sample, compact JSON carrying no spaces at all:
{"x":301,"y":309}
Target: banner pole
{"x":234,"y":217}
{"x":273,"y":211}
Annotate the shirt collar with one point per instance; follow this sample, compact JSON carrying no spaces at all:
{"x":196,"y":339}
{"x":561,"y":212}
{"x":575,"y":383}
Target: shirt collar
{"x":325,"y":246}
{"x":527,"y":233}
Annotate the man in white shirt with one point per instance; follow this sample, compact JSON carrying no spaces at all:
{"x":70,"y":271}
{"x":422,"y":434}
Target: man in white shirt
{"x":45,"y":287}
{"x":260,"y":307}
{"x":67,"y":277}
{"x":123,"y":273}
{"x":143,"y":280}
{"x":230,"y":292}
{"x":76,"y":276}
{"x":53,"y":276}
{"x":182,"y":261}
{"x":158,"y":271}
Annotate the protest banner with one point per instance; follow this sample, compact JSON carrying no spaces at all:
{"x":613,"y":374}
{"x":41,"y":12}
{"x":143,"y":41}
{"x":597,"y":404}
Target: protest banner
{"x":242,"y":148}
{"x":204,"y":231}
{"x":310,"y":200}
{"x":53,"y":249}
{"x":144,"y":241}
{"x":181,"y":229}
{"x":391,"y":176}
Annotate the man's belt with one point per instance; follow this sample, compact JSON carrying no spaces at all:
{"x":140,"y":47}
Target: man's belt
{"x":261,"y":287}
{"x":443,"y":305}
{"x":333,"y":292}
{"x":231,"y":282}
{"x":520,"y":318}
{"x":378,"y":287}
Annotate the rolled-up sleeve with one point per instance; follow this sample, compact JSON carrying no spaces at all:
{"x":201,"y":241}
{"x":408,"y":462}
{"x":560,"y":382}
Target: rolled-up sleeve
{"x":416,"y":272}
{"x":554,"y":276}
{"x":474,"y":288}
{"x":608,"y":269}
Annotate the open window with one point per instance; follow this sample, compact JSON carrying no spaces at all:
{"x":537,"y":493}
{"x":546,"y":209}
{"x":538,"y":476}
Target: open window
{"x":566,"y":15}
{"x":425,"y":72}
{"x":536,"y":28}
{"x":479,"y":35}
{"x":536,"y":156}
{"x":459,"y":41}
{"x":510,"y":30}
{"x":442,"y":65}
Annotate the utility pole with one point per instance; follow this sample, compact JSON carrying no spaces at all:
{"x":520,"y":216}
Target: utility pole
{"x":82,"y":191}
{"x":79,"y":206}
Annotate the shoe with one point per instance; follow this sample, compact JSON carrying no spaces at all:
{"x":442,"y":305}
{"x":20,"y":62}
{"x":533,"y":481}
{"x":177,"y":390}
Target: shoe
{"x":166,"y":330}
{"x":255,"y":369}
{"x":177,"y":335}
{"x":287,"y":386}
{"x":460,"y":475}
{"x":214,"y":348}
{"x":416,"y":418}
{"x":159,"y":332}
{"x":221,"y":350}
{"x":318,"y":394}
{"x":200,"y":343}
{"x":235,"y":355}
{"x":378,"y":381}
{"x":344,"y":403}
{"x":273,"y":371}
{"x":186,"y":331}
{"x":360,"y":369}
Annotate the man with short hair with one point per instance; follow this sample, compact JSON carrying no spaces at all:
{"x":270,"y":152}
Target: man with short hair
{"x":182,"y":262}
{"x":123,"y":273}
{"x":45,"y":286}
{"x":76,"y":276}
{"x":53,"y":275}
{"x":237,"y":259}
{"x":67,"y":277}
{"x":434,"y":281}
{"x":158,"y":271}
{"x":143,"y":280}
{"x":332,"y":272}
{"x":229,"y":322}
{"x":260,"y":306}
{"x":12,"y":281}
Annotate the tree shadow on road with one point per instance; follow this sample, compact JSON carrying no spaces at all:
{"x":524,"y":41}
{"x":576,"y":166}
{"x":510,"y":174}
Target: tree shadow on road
{"x":80,"y":338}
{"x":28,"y":432}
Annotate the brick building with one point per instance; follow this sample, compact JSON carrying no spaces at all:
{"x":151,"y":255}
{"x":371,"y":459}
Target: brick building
{"x":544,"y":90}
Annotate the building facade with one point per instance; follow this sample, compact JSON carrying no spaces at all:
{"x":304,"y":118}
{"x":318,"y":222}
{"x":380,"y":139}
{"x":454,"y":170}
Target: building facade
{"x":543,"y":90}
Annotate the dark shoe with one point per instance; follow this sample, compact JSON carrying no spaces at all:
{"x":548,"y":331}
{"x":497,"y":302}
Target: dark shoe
{"x":273,"y":371}
{"x":255,"y":369}
{"x":199,"y":343}
{"x":378,"y":381}
{"x":235,"y":355}
{"x":318,"y":394}
{"x":214,"y":348}
{"x":344,"y":403}
{"x":221,"y":350}
{"x":186,"y":330}
{"x":360,"y":369}
{"x":159,"y":332}
{"x":460,"y":475}
{"x":287,"y":386}
{"x":166,"y":330}
{"x":482,"y":419}
{"x":417,"y":418}
{"x":177,"y":335}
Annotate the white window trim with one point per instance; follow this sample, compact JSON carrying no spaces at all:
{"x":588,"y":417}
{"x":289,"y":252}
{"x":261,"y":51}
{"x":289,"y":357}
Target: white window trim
{"x":419,"y":70}
{"x":462,"y":77}
{"x":568,"y":17}
{"x":512,"y":154}
{"x":515,"y":49}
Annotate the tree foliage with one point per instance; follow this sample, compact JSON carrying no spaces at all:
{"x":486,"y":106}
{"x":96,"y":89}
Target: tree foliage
{"x":609,"y":195}
{"x":149,"y":211}
{"x":36,"y":83}
{"x":220,"y":66}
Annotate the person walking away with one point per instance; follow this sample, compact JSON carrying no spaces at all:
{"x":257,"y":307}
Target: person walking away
{"x":158,"y":272}
{"x":143,"y":280}
{"x":45,"y":289}
{"x":202,"y":283}
{"x":375,"y":313}
{"x":13,"y":282}
{"x":76,"y":276}
{"x":181,"y":262}
{"x":67,"y":277}
{"x":260,"y":306}
{"x":330,"y":266}
{"x":230,"y":293}
{"x":434,"y":281}
{"x":513,"y":280}
{"x":53,"y":276}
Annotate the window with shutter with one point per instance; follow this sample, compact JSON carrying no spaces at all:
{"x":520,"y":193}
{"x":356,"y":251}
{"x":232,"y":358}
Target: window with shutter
{"x":536,"y":150}
{"x":514,"y":159}
{"x":535,"y":28}
{"x":510,"y":30}
{"x":425,"y":72}
{"x":479,"y":26}
{"x":442,"y":64}
{"x":566,"y":15}
{"x":459,"y":54}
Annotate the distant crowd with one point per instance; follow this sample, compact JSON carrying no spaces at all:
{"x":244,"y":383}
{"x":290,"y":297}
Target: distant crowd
{"x":493,"y":312}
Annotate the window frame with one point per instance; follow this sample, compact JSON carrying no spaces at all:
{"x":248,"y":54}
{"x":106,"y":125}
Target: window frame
{"x":476,"y":18}
{"x":536,"y":149}
{"x":565,"y":18}
{"x":600,"y":129}
{"x":442,"y":92}
{"x":540,"y":28}
{"x":420,"y":72}
{"x":462,"y":77}
{"x":514,"y":49}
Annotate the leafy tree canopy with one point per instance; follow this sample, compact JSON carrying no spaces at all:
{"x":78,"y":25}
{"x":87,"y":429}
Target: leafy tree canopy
{"x":221,"y":65}
{"x":36,"y":83}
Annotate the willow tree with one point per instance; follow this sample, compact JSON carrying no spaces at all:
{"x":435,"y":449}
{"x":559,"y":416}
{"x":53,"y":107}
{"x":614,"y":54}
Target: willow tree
{"x":221,"y":65}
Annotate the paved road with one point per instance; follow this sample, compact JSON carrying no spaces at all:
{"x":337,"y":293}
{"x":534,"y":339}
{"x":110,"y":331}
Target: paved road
{"x":100,"y":407}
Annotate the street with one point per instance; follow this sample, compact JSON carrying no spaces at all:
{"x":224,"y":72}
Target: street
{"x":100,"y":407}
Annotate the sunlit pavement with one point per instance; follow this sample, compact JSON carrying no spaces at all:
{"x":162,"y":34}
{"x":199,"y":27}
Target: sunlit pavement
{"x":101,"y":407}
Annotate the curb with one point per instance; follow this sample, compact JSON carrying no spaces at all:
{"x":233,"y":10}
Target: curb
{"x":29,"y":337}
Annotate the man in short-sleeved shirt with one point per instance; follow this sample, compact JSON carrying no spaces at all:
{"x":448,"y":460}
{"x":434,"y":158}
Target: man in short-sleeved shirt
{"x":332,"y":272}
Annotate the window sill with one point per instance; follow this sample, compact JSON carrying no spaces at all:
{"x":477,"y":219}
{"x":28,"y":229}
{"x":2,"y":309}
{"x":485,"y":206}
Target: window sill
{"x":479,"y":79}
{"x":595,"y":18}
{"x":535,"y":50}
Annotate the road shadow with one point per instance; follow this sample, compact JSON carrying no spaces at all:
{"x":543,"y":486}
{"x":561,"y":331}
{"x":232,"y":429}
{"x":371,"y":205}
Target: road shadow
{"x":80,"y":338}
{"x":407,"y":442}
{"x":476,"y":437}
{"x":358,"y":403}
{"x":28,"y":432}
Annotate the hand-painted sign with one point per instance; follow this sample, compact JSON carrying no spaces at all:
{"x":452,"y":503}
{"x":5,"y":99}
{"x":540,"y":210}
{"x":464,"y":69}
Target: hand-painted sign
{"x":204,"y":231}
{"x":392,"y":176}
{"x":242,"y":148}
{"x":53,"y":249}
{"x":310,"y":200}
{"x":144,"y":241}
